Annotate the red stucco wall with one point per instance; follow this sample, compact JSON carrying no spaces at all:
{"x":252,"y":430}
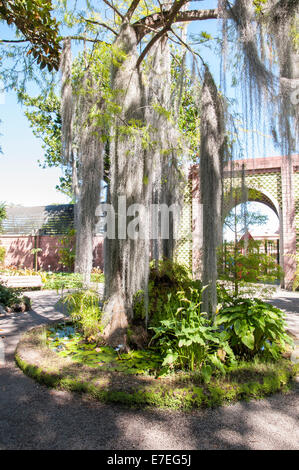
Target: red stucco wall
{"x":18,"y":251}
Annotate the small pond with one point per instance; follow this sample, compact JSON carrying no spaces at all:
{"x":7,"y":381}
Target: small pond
{"x":66,"y":341}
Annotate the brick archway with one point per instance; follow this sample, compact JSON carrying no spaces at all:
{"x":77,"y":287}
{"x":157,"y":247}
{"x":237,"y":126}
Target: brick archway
{"x":253,"y":195}
{"x":276,"y":181}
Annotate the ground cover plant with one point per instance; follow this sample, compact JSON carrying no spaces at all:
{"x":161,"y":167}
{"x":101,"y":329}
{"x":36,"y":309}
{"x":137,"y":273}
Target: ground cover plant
{"x":68,"y":342}
{"x":137,"y":385}
{"x":13,"y":300}
{"x":241,"y":354}
{"x":188,"y":338}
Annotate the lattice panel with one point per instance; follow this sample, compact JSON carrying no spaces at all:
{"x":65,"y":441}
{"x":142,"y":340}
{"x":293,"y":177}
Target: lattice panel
{"x":183,"y":253}
{"x":269,"y":183}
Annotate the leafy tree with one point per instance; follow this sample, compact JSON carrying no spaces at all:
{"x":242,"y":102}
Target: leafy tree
{"x":35,"y":24}
{"x":239,"y":223}
{"x":135,"y":108}
{"x":243,"y":260}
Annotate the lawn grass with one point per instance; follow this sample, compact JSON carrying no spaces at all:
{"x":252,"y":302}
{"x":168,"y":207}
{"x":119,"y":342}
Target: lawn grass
{"x":184,"y":391}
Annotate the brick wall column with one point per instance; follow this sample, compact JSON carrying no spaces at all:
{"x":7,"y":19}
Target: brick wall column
{"x":288,"y":226}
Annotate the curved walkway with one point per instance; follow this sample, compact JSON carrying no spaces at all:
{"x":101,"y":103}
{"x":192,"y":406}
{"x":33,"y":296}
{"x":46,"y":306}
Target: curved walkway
{"x":35,"y":417}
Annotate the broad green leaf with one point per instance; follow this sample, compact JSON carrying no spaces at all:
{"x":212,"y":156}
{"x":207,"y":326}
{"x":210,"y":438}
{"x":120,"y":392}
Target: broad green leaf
{"x":248,"y":340}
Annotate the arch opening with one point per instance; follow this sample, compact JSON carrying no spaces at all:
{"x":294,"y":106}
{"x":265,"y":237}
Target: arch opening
{"x":259,"y":232}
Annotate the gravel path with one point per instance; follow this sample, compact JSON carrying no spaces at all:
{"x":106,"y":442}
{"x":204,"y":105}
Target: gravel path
{"x":35,"y":417}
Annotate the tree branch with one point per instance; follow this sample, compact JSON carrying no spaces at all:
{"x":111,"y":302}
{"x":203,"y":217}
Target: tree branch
{"x":131,"y":10}
{"x":157,"y":20}
{"x":100,"y":24}
{"x":114,"y":9}
{"x":187,"y":46}
{"x":7,"y":41}
{"x":83,"y":38}
{"x":172,"y":14}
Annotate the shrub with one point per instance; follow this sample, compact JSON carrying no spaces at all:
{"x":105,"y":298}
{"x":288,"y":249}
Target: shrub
{"x":61,"y":281}
{"x":83,"y":307}
{"x":251,"y":266}
{"x":253,"y":327}
{"x":165,"y":277}
{"x":11,"y":297}
{"x":2,"y":254}
{"x":187,"y":338}
{"x":67,"y":250}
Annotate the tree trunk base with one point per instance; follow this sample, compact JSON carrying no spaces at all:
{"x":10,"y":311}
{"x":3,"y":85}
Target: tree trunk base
{"x":115,"y":332}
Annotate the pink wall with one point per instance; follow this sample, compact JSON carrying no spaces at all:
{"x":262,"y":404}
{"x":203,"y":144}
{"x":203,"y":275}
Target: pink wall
{"x":18,"y":251}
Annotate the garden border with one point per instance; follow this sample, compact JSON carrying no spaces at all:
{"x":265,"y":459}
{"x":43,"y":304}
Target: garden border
{"x":135,"y":391}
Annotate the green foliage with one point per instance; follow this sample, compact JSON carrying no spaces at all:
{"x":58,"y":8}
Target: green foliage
{"x":43,"y":114}
{"x":250,"y":265}
{"x":35,"y":252}
{"x":67,"y":250}
{"x":166,"y":277}
{"x":296,"y":278}
{"x":188,"y":105}
{"x":43,"y":111}
{"x":259,"y":5}
{"x":64,"y":281}
{"x":2,"y":254}
{"x":33,"y":20}
{"x":67,"y":342}
{"x":10,"y":296}
{"x":3,"y":214}
{"x":83,"y":307}
{"x":253,"y":327}
{"x":188,"y":340}
{"x":243,"y":381}
{"x":15,"y":271}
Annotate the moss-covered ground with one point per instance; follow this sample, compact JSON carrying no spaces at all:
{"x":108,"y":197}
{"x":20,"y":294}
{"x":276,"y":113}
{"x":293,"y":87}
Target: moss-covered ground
{"x":131,"y":381}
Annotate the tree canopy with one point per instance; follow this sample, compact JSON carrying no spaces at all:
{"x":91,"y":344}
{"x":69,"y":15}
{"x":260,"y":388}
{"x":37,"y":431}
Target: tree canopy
{"x":34,"y":22}
{"x":127,"y":99}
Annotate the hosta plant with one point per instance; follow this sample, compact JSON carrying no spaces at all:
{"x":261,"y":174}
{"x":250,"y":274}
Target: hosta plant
{"x":254,"y":327}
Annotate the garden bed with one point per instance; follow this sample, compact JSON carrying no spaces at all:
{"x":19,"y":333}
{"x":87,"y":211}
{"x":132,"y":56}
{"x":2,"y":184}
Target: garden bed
{"x":39,"y":359}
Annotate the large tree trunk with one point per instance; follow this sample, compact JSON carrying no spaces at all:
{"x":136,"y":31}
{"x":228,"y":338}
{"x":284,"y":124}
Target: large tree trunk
{"x":89,"y":198}
{"x":91,"y":157}
{"x":126,"y":259}
{"x":211,"y":157}
{"x":140,"y":174}
{"x":166,"y":178}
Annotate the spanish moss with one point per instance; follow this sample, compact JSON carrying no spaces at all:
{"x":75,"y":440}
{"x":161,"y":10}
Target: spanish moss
{"x":211,"y":162}
{"x":66,"y":101}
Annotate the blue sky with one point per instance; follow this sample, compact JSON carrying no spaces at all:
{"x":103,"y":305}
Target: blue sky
{"x":22,"y":180}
